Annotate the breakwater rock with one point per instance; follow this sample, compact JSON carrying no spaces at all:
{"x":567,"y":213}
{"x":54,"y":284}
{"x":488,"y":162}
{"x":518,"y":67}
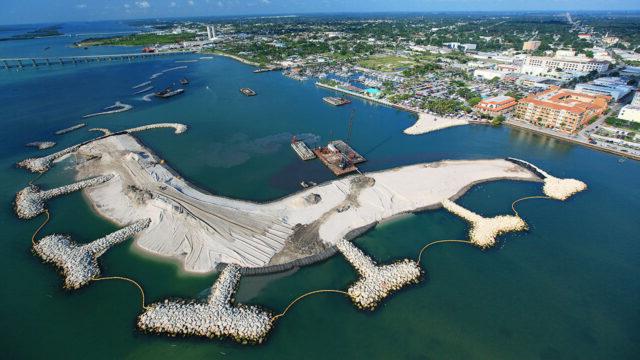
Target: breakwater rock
{"x":113,"y":109}
{"x":555,"y":188}
{"x":376,"y":282}
{"x":42,"y":145}
{"x":79,"y":263}
{"x":30,"y":201}
{"x":69,"y":129}
{"x":215,"y":318}
{"x":43,"y":164}
{"x":484,"y":231}
{"x":180,"y":128}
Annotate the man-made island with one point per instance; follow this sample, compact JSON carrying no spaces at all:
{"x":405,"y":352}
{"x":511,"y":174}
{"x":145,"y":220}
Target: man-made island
{"x":203,"y":230}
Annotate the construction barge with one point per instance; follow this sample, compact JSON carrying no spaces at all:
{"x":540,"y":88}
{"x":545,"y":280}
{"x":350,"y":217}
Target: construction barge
{"x":339,"y":157}
{"x":302,"y":149}
{"x":247,"y":92}
{"x":336,"y":101}
{"x":168,"y":92}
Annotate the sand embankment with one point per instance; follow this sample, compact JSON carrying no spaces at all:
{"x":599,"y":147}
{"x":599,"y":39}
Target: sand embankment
{"x":203,"y":230}
{"x":427,"y":123}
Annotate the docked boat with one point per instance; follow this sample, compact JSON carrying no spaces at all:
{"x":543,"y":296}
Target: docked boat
{"x":336,"y":101}
{"x":247,"y":92}
{"x":184,"y":81}
{"x":168,"y":92}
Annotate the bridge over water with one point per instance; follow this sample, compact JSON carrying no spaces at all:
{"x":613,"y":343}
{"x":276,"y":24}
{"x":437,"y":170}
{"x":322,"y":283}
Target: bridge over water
{"x":34,"y":62}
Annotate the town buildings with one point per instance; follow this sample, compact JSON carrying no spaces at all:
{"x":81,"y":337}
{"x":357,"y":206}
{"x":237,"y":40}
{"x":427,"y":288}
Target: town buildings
{"x":563,"y":61}
{"x":497,"y":105}
{"x":561,"y":109}
{"x":612,"y":86}
{"x":631,"y":112}
{"x":531,"y":45}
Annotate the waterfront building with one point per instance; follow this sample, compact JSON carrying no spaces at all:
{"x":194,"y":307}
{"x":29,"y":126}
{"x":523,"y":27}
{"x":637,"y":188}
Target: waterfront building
{"x":531,"y":45}
{"x":611,"y":86}
{"x":561,"y":109}
{"x":497,"y":105}
{"x":564,"y":60}
{"x":630,"y":113}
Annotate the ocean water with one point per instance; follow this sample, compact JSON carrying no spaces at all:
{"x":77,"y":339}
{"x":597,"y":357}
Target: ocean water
{"x":567,"y":288}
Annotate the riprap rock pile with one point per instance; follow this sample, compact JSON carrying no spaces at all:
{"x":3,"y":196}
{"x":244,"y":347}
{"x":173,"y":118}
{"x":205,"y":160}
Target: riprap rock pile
{"x":213,"y":319}
{"x":43,"y":164}
{"x":30,"y":201}
{"x":555,"y":188}
{"x":485,"y":230}
{"x":376,"y":282}
{"x":79,"y":262}
{"x":180,"y":128}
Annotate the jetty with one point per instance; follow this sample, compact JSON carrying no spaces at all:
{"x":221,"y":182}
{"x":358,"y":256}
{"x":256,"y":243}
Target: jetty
{"x":339,"y":157}
{"x":43,"y":164}
{"x":41,"y":145}
{"x":70,"y":129}
{"x":30,"y":201}
{"x":376,"y":282}
{"x":301,"y":148}
{"x":215,"y":318}
{"x":35,"y":62}
{"x":113,"y":109}
{"x":79,"y":263}
{"x":484,"y":231}
{"x":555,"y":188}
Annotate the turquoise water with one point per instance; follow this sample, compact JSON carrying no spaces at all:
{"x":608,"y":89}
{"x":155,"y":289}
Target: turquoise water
{"x":568,"y":288}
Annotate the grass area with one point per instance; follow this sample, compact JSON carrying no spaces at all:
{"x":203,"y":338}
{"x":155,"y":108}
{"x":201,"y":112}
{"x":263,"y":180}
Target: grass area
{"x":386,"y":63}
{"x":630,"y":125}
{"x":138,"y":40}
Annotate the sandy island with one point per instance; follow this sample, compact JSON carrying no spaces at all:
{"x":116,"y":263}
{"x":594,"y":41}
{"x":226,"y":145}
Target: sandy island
{"x":203,"y":230}
{"x":428,"y":123}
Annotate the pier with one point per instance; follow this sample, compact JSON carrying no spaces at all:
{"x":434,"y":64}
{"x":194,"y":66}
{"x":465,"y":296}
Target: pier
{"x":35,"y":62}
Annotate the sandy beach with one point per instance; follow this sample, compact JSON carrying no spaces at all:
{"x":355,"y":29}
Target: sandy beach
{"x":427,"y":123}
{"x":203,"y":230}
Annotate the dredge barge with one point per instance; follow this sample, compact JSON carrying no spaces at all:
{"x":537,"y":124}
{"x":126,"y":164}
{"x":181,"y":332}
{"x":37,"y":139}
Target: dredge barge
{"x":339,"y":157}
{"x":302,"y":149}
{"x":336,"y":101}
{"x":247,"y":92}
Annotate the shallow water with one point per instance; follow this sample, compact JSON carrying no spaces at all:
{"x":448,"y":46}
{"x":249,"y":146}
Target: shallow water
{"x":567,"y":288}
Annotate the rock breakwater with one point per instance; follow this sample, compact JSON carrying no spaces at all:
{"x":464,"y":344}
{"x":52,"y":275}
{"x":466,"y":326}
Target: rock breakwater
{"x":215,"y":318}
{"x":376,"y":282}
{"x":484,"y":231}
{"x":78,"y":263}
{"x":30,"y":201}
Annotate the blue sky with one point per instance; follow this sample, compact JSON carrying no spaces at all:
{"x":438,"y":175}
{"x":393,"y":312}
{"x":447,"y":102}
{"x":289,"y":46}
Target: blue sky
{"x":33,"y":11}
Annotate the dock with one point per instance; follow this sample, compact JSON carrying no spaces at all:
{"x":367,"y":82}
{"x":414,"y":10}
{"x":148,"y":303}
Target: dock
{"x":339,"y":157}
{"x":302,"y":150}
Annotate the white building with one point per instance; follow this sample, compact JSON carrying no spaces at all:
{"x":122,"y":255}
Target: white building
{"x":636,"y":99}
{"x":488,"y":74}
{"x":564,"y":60}
{"x":630,"y":113}
{"x":611,"y":86}
{"x":458,"y":46}
{"x":211,"y":32}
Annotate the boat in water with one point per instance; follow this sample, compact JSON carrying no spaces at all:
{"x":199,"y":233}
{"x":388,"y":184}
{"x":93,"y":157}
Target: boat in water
{"x":336,"y":101}
{"x":247,"y":92}
{"x":168,"y":92}
{"x":184,"y":81}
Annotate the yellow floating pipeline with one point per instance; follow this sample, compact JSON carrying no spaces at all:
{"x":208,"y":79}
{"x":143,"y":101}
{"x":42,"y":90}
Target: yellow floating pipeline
{"x":33,"y":237}
{"x":128,"y":280}
{"x":513,"y":205}
{"x":439,"y":242}
{"x":305,"y":295}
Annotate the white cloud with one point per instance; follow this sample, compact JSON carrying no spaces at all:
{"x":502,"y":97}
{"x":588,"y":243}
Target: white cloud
{"x":265,"y":1}
{"x":81,"y":6}
{"x":190,"y":2}
{"x":172,"y":4}
{"x":126,"y":6}
{"x":143,"y":4}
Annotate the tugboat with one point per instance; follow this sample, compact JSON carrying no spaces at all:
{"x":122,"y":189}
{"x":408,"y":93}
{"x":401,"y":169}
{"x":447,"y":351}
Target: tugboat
{"x":184,"y":81}
{"x":247,"y":92}
{"x":168,"y":92}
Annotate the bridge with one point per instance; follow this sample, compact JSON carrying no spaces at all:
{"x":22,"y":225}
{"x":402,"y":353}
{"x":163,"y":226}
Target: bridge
{"x":34,"y":62}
